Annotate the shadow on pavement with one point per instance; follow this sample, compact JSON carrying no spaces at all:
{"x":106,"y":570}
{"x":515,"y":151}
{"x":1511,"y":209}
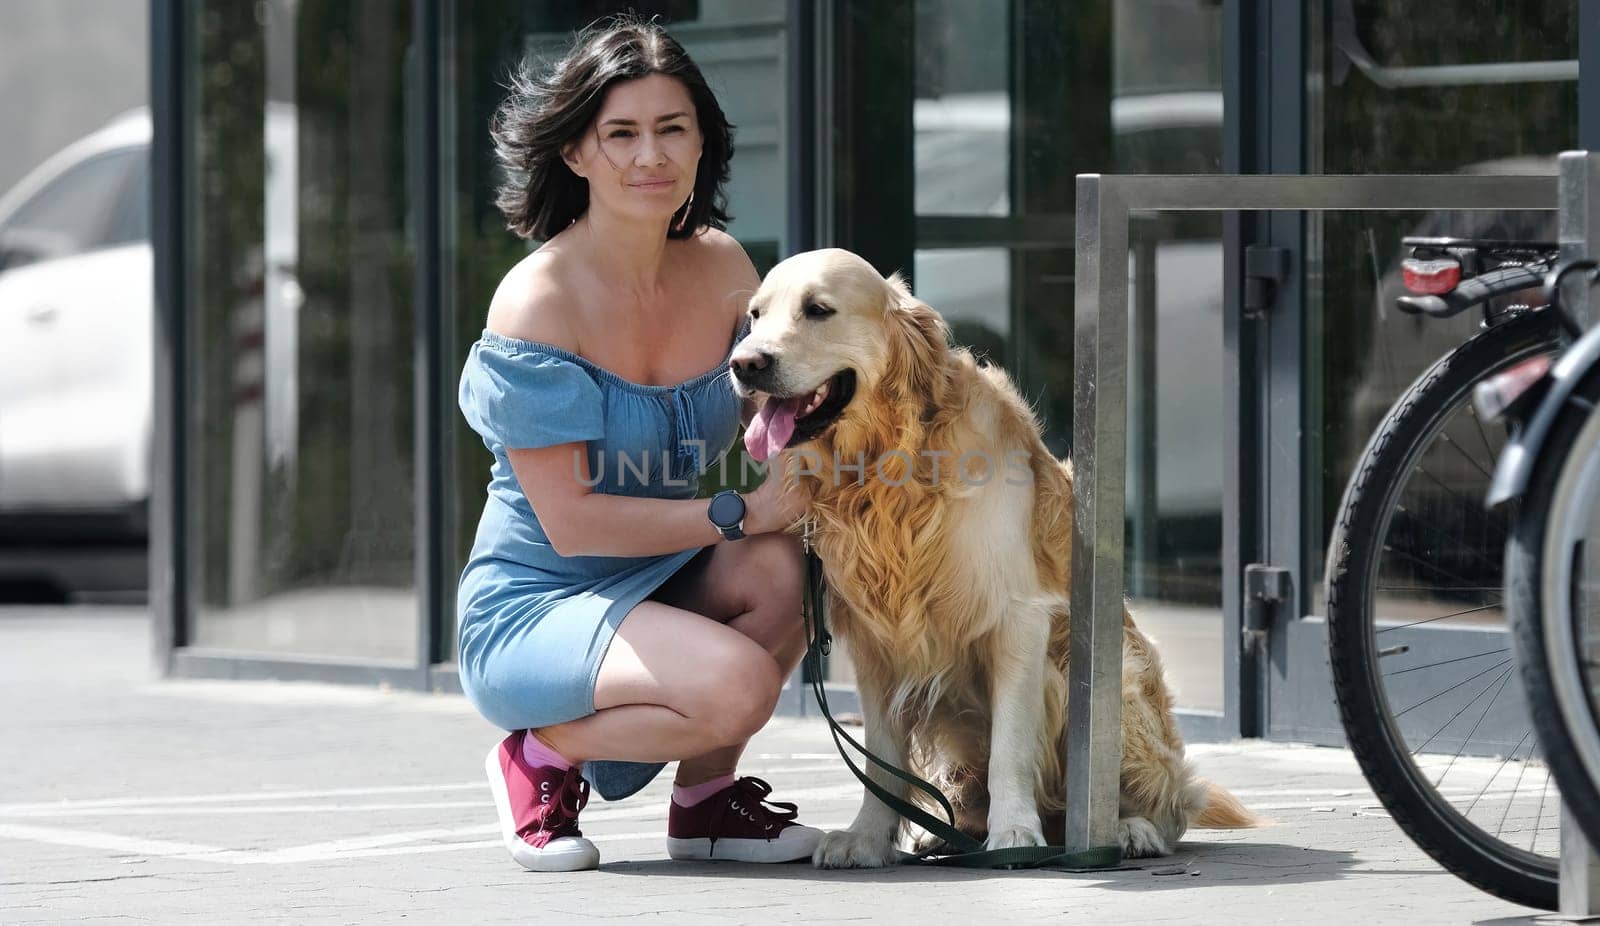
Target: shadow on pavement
{"x":1194,"y":866}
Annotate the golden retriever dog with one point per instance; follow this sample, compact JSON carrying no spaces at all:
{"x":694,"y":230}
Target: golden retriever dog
{"x":945,"y":530}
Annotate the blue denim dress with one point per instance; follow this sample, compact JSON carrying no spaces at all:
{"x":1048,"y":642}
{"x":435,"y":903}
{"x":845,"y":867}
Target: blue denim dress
{"x":534,"y":625}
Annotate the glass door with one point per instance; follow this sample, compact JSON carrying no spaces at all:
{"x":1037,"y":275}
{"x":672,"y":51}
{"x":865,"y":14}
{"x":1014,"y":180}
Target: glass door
{"x":1395,"y":87}
{"x":958,"y":131}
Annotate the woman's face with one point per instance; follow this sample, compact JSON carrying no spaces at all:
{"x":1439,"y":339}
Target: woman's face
{"x":641,"y":153}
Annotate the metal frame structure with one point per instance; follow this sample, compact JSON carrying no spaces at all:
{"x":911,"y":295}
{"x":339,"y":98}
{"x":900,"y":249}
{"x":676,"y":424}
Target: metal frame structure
{"x":1579,"y":231}
{"x":1100,"y":397}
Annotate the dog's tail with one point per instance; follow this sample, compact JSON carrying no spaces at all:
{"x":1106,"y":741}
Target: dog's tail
{"x":1223,"y":811}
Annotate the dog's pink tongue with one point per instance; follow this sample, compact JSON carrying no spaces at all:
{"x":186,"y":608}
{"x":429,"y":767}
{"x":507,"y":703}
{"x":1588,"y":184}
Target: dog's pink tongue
{"x":770,"y":430}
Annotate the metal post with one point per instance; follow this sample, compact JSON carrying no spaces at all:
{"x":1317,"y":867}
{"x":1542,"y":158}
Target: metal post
{"x":168,"y":544}
{"x":1142,"y":452}
{"x":1100,"y":401}
{"x":1579,"y":881}
{"x":429,"y":325}
{"x":1579,"y":224}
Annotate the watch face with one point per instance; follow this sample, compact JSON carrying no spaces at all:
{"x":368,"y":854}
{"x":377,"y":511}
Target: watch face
{"x":726,"y":510}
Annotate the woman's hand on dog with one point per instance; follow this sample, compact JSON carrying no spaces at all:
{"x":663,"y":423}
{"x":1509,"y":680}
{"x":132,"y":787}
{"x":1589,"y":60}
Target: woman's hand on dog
{"x":777,"y":503}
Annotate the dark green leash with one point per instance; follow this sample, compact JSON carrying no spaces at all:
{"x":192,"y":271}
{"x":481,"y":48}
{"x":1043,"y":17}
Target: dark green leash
{"x":959,"y":850}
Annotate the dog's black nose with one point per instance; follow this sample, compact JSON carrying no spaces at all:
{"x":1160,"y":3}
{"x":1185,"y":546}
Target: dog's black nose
{"x":746,"y":363}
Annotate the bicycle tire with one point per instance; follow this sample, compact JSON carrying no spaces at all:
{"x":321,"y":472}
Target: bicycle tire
{"x":1365,"y":512}
{"x":1539,"y":658}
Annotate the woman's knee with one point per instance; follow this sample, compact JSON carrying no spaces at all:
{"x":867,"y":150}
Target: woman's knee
{"x":776,"y":573}
{"x":738,"y":693}
{"x":779,"y":562}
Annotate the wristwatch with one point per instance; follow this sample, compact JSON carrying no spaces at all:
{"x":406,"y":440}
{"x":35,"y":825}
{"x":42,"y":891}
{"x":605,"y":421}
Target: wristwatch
{"x":727,"y":513}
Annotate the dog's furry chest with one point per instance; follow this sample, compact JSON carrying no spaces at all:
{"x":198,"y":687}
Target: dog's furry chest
{"x":923,"y":577}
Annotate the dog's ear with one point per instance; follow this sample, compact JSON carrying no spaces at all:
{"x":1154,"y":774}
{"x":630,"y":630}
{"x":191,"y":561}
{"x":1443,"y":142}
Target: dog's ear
{"x":919,"y":340}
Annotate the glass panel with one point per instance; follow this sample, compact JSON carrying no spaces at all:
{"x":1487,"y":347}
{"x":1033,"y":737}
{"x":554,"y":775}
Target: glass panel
{"x":971,"y":288}
{"x":1400,"y":87}
{"x":1166,"y":117}
{"x":1175,"y":453}
{"x":300,"y":331}
{"x":1166,"y":108}
{"x":962,"y":111}
{"x":740,"y":48}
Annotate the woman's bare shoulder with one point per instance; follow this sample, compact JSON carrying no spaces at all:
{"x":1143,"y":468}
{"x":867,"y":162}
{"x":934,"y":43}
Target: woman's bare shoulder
{"x":728,"y":268}
{"x":725,"y":250}
{"x":531,"y":303}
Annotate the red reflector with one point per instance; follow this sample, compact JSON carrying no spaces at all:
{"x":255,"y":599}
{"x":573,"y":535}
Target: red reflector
{"x":1497,"y":393}
{"x":1431,"y":277}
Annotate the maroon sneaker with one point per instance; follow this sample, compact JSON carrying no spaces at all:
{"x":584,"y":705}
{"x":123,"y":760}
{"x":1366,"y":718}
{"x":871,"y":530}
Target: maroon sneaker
{"x":538,"y":808}
{"x":739,"y":824}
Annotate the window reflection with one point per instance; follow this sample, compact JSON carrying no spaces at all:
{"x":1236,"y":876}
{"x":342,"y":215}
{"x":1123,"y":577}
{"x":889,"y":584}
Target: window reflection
{"x":971,"y":288}
{"x":1402,"y":89}
{"x":1175,"y":449}
{"x":961,"y":114}
{"x":300,"y":331}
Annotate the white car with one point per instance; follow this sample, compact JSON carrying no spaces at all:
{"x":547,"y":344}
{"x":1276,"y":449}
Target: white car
{"x":76,"y":353}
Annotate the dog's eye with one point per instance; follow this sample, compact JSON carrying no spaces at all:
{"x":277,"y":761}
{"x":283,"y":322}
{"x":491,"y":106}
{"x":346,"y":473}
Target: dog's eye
{"x":755,"y":314}
{"x":814,"y":310}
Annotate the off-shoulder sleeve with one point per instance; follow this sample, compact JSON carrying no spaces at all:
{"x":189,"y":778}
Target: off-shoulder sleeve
{"x":521,"y":397}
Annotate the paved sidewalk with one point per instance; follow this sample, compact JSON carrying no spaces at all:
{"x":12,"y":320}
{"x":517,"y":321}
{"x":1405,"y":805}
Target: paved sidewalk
{"x":128,"y":798}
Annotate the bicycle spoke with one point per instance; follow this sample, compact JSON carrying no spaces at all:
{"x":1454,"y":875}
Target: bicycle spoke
{"x":1412,"y":517}
{"x":1424,"y":563}
{"x":1538,"y":821}
{"x":1464,"y":681}
{"x":1515,"y":787}
{"x":1487,"y":607}
{"x":1464,"y":455}
{"x":1482,"y":435}
{"x":1462,"y":498}
{"x":1445,"y":662}
{"x":1501,"y":680}
{"x":1486,"y":708}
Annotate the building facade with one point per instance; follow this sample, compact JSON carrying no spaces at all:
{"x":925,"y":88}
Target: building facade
{"x":327,"y":246}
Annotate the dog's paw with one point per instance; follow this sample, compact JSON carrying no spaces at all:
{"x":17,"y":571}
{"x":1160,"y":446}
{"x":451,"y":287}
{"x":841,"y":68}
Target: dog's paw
{"x":850,"y":849}
{"x":1015,"y":836}
{"x":1140,"y":838}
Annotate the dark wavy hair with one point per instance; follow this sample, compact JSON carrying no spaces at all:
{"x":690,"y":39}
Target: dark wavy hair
{"x":548,"y":109}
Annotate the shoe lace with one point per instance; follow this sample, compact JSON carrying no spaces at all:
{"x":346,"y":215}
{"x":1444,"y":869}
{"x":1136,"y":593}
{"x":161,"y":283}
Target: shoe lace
{"x":749,"y":800}
{"x":569,"y":800}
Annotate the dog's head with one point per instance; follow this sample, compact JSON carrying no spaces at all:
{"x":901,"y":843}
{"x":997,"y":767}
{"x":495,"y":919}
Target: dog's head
{"x":832,"y":341}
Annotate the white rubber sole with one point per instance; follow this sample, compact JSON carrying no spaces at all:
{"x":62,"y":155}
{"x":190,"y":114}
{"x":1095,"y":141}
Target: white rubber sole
{"x":569,"y":853}
{"x":793,"y":844}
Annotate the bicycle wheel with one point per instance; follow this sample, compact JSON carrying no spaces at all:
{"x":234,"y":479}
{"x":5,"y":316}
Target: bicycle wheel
{"x":1416,"y":639}
{"x":1552,"y":576}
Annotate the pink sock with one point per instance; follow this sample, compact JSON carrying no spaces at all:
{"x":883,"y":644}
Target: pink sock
{"x":538,"y":754}
{"x":690,"y":795}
